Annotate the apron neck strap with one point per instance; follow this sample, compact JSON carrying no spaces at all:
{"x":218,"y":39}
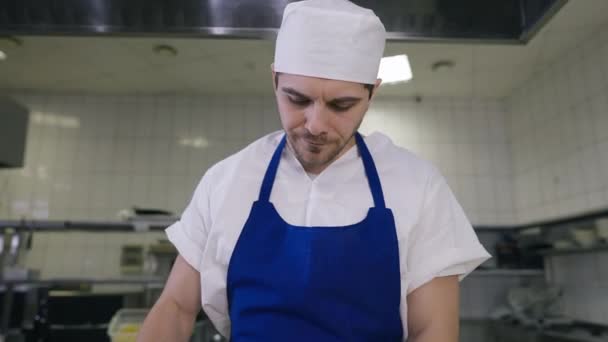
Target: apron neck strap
{"x":368,"y":164}
{"x":271,"y":172}
{"x":371,"y":172}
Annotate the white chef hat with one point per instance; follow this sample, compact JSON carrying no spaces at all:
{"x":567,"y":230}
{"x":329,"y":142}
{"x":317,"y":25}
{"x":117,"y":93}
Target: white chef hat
{"x":332,"y":39}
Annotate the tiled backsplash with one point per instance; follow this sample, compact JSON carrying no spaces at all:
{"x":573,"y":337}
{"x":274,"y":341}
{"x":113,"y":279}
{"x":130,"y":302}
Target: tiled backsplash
{"x":82,"y":254}
{"x":558,"y":125}
{"x":90,"y":156}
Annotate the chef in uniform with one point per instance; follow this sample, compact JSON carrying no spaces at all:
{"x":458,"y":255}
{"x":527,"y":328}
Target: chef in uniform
{"x":316,"y":232}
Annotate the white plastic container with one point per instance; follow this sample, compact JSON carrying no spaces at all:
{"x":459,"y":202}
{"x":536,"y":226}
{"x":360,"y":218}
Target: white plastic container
{"x":125,"y":324}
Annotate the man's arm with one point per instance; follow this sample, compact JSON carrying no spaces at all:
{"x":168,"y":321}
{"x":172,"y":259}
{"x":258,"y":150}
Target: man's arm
{"x":433,"y":311}
{"x":173,"y":316}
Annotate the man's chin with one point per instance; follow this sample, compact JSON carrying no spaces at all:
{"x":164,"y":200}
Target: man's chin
{"x":312,"y":161}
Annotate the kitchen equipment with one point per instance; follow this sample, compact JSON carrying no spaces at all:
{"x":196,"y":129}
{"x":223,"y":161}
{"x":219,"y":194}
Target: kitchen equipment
{"x":585,"y":236}
{"x":18,"y":305}
{"x":14,"y":245}
{"x":507,"y":252}
{"x":13,"y":132}
{"x":146,"y":214}
{"x":601,"y":229}
{"x":531,"y":242}
{"x":14,"y":273}
{"x":563,"y":244}
{"x":535,"y":305}
{"x":126,"y":323}
{"x":132,"y":259}
{"x":161,"y":257}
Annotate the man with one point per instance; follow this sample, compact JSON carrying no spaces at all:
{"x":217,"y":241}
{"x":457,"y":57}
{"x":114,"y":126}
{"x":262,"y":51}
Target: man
{"x":316,"y":233}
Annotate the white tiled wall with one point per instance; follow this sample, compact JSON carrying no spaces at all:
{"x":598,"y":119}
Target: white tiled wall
{"x":89,"y":156}
{"x":558,"y":126}
{"x":466,"y":139}
{"x":83,"y":254}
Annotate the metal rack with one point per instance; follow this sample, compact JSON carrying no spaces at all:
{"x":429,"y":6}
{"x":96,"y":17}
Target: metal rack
{"x":137,"y":225}
{"x":89,"y":226}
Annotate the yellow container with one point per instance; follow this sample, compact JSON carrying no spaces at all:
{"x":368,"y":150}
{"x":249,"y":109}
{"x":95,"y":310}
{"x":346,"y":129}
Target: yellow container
{"x":125,"y":324}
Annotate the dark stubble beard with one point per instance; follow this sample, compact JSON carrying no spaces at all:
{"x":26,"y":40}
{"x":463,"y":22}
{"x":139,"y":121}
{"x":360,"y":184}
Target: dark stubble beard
{"x":331,"y":158}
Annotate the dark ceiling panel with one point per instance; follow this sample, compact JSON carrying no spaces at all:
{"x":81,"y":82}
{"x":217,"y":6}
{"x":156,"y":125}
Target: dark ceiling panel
{"x":508,"y":21}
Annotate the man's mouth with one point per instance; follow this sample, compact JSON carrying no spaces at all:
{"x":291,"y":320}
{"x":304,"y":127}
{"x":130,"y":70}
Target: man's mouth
{"x":314,"y":143}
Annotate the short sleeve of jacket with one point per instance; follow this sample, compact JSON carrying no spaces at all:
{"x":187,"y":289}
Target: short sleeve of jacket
{"x":442,"y":242}
{"x":189,"y":234}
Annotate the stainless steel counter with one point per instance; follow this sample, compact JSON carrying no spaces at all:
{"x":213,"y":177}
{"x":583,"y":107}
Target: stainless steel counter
{"x":483,"y":330}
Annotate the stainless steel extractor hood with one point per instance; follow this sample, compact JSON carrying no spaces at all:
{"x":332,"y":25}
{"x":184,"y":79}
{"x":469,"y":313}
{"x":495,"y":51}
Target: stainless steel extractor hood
{"x":502,"y":21}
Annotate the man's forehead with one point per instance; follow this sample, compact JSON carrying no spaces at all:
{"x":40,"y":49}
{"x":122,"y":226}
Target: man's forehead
{"x":315,"y":84}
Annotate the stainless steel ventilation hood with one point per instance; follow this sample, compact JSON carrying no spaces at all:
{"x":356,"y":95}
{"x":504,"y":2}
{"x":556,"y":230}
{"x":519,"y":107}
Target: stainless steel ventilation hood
{"x":499,"y":21}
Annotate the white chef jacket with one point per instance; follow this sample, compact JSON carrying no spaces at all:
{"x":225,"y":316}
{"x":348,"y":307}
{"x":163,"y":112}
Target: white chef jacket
{"x":435,"y":237}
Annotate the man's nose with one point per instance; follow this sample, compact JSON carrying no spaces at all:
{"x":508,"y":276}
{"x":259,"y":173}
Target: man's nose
{"x":316,"y":119}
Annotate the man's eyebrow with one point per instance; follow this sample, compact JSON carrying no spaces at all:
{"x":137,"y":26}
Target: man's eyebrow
{"x":293,"y":92}
{"x":346,"y":99}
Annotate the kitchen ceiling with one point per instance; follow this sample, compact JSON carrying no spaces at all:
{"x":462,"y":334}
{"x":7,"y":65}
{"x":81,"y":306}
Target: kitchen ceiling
{"x":119,"y":65}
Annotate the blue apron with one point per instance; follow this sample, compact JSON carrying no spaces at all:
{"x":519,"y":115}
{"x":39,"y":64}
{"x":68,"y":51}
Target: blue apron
{"x":290,"y":283}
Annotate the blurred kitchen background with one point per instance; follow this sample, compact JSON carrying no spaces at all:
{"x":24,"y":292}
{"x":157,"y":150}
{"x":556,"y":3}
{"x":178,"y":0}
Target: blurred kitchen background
{"x":111,"y":111}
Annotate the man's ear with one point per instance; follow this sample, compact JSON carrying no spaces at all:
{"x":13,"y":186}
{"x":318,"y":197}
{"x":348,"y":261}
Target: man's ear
{"x":376,"y":86}
{"x":274,"y":76}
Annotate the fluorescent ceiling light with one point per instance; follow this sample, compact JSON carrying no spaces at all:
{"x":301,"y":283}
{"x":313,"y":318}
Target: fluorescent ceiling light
{"x":2,"y":55}
{"x":395,"y":69}
{"x":198,"y":142}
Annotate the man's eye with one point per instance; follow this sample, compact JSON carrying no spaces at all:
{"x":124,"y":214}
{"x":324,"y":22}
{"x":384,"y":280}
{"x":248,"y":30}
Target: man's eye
{"x":340,"y":107}
{"x":299,"y":102}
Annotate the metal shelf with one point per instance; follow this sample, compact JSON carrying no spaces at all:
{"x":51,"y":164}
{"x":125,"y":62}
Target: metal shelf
{"x":89,"y":226}
{"x":95,"y":281}
{"x":575,"y":250}
{"x":509,"y":273}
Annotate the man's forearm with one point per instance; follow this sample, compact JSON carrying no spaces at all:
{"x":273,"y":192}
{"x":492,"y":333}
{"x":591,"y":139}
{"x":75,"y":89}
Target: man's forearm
{"x":166,"y":322}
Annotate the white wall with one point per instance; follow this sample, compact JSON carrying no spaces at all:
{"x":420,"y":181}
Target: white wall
{"x":558,"y":126}
{"x":89,"y":156}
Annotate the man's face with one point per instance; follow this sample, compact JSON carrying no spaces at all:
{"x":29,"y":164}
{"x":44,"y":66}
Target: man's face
{"x":320,"y":116}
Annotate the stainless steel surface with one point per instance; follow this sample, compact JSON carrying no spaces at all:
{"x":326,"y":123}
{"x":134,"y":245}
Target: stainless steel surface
{"x":14,"y":244}
{"x":575,"y":250}
{"x":88,"y":226}
{"x":30,"y":298}
{"x":408,"y":20}
{"x":13,"y":132}
{"x":141,"y":280}
{"x":482,"y":330}
{"x":161,"y":257}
